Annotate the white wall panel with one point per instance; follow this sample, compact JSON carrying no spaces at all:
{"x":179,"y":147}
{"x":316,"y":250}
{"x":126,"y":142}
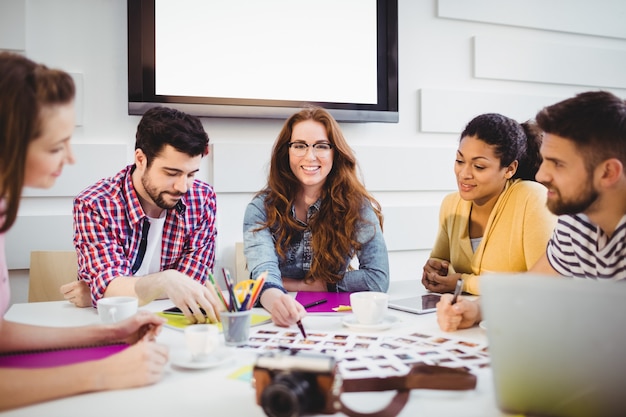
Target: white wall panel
{"x":242,"y":168}
{"x":44,"y":232}
{"x":547,"y":62}
{"x":575,"y":16}
{"x":93,"y":162}
{"x":407,"y":265}
{"x":406,"y":168}
{"x":13,"y":25}
{"x":410,"y":227}
{"x":450,"y":110}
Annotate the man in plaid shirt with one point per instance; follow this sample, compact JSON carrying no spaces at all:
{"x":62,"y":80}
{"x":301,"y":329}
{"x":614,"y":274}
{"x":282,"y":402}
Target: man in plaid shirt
{"x":149,"y":231}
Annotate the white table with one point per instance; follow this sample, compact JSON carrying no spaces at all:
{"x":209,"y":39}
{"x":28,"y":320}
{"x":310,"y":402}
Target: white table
{"x":211,"y":392}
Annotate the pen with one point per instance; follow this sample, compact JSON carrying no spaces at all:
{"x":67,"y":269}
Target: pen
{"x":457,"y":291}
{"x":301,"y":327}
{"x":315,"y":303}
{"x":234,"y":305}
{"x":244,"y":304}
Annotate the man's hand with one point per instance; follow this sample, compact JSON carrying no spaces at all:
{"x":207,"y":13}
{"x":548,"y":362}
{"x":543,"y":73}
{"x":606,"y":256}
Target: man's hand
{"x":463,"y":314}
{"x":189,"y":295}
{"x":77,"y":293}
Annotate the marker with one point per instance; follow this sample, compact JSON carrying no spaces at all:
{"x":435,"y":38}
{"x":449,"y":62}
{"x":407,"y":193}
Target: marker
{"x":315,"y":303}
{"x":301,"y":327}
{"x":457,"y":291}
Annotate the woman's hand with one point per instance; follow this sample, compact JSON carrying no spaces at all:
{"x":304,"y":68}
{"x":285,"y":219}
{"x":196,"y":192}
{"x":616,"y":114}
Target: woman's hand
{"x":437,"y":266}
{"x":142,"y":326}
{"x":439,"y":276}
{"x":284,"y":309}
{"x":138,"y":365}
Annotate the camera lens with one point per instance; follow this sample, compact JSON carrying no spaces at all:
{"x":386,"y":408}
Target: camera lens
{"x":291,"y":395}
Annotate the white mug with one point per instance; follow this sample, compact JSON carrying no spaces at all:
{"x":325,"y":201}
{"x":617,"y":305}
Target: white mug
{"x":369,"y":307}
{"x":114,"y":309}
{"x":202,"y":340}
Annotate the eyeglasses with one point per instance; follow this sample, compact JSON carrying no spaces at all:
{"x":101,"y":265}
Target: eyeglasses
{"x":319,"y":149}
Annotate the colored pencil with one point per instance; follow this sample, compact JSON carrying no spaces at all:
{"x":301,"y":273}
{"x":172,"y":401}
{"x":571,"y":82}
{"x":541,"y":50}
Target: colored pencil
{"x":219,"y":291}
{"x":256,"y":291}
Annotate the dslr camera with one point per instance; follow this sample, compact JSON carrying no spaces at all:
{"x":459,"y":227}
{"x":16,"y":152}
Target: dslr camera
{"x":293,"y":383}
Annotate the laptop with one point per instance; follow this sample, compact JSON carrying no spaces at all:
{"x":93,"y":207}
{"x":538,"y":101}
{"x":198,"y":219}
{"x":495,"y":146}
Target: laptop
{"x":557,"y":345}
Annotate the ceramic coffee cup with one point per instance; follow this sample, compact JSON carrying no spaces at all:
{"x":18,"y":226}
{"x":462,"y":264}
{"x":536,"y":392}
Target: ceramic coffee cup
{"x":202,"y":340}
{"x":369,"y":307}
{"x":114,"y":309}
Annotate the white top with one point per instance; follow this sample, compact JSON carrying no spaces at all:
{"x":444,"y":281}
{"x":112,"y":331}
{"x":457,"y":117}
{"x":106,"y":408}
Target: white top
{"x":152,"y":259}
{"x":475,"y":243}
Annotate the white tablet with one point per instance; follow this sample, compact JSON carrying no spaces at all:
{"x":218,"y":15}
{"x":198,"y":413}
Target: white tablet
{"x":419,"y":304}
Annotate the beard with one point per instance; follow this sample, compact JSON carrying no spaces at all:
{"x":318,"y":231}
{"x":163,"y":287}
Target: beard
{"x":560,"y":206}
{"x":158,"y":197}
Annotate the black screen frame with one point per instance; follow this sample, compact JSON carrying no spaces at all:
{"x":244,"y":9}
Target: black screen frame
{"x":141,"y":77}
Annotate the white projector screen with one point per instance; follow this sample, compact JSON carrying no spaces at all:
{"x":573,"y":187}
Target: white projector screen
{"x":251,"y":58}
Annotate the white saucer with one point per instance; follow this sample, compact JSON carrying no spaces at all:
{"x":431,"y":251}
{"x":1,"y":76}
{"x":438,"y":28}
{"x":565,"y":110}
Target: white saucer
{"x":483,"y":325}
{"x":185,"y":361}
{"x":350,"y":322}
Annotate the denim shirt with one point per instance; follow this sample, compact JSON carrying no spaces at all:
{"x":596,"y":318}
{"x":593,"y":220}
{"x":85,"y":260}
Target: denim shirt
{"x":260,"y":252}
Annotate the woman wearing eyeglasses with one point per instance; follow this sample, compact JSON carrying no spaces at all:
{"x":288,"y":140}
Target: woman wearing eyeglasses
{"x":314,"y":227}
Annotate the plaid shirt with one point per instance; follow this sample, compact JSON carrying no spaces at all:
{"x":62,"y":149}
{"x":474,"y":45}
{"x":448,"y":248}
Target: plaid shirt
{"x":107,"y":231}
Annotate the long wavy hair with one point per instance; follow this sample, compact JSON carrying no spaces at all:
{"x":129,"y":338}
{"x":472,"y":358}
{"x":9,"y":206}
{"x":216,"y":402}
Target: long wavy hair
{"x":25,"y":88}
{"x":342,"y":199}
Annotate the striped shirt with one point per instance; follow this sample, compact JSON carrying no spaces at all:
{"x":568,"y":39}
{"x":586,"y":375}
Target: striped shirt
{"x":108,"y":222}
{"x":579,"y":248}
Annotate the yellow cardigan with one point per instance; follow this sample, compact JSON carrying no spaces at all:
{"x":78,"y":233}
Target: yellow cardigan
{"x":516,"y":235}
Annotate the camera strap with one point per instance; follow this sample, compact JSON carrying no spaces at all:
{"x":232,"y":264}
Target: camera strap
{"x":421,"y":376}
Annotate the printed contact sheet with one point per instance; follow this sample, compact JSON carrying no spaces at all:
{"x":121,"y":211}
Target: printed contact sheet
{"x":367,"y":355}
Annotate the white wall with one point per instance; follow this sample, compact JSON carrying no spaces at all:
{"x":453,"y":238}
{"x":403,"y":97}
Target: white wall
{"x":458,"y":58}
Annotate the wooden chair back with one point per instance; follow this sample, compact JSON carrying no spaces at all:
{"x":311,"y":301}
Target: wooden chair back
{"x":48,"y":271}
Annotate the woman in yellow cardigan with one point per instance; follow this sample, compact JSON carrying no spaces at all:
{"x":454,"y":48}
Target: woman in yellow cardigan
{"x":498,"y":220}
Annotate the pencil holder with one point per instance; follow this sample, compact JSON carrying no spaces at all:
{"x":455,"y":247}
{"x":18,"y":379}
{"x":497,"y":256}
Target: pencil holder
{"x":236,"y":325}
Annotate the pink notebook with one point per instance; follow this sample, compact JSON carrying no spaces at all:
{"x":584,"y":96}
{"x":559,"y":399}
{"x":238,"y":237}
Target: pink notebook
{"x":58,"y":357}
{"x":333,"y":299}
